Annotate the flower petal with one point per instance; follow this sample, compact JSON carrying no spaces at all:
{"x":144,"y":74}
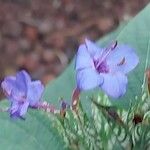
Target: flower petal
{"x":35,"y":90}
{"x":94,"y":50}
{"x":114,"y":85}
{"x":14,"y":108}
{"x":8,"y":84}
{"x":18,"y":110}
{"x":16,"y":87}
{"x":22,"y":80}
{"x":123,"y":59}
{"x":24,"y":108}
{"x":83,"y":58}
{"x":88,"y":78}
{"x":19,"y":92}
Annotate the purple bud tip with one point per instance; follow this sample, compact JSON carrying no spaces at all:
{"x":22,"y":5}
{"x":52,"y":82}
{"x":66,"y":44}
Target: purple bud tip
{"x":64,"y":105}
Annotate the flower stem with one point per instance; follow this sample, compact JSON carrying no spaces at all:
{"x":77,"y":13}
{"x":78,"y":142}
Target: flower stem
{"x":45,"y":106}
{"x":75,"y":98}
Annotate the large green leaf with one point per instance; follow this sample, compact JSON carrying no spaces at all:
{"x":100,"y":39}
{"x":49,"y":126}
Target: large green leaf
{"x":136,"y":34}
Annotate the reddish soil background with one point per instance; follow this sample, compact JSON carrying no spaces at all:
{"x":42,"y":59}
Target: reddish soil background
{"x":42,"y":36}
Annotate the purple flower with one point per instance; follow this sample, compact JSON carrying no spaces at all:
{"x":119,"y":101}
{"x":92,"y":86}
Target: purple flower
{"x":104,"y":67}
{"x":22,"y":93}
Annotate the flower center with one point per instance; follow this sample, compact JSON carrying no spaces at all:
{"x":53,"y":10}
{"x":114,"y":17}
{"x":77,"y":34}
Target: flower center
{"x":101,"y":64}
{"x":102,"y":67}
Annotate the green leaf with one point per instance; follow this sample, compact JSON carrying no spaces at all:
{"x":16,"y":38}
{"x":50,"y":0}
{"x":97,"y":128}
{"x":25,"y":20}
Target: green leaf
{"x":136,"y":33}
{"x":34,"y":133}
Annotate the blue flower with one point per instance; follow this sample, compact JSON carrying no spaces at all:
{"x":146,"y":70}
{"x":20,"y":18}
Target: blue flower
{"x":22,"y":93}
{"x":104,"y":67}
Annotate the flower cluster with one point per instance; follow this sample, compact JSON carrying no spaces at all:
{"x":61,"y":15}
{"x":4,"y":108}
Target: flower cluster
{"x":95,"y":67}
{"x":22,"y":93}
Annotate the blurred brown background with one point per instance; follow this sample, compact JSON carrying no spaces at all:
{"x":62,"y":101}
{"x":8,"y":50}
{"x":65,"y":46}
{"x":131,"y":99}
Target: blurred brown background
{"x":42,"y":36}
